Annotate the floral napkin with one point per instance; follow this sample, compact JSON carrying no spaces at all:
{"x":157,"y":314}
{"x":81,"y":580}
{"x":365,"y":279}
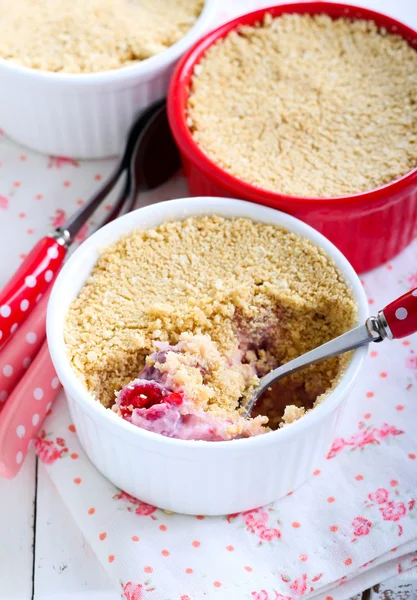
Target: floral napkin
{"x":350,"y":526}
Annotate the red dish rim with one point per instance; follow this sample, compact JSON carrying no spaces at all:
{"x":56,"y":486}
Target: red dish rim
{"x":180,"y":85}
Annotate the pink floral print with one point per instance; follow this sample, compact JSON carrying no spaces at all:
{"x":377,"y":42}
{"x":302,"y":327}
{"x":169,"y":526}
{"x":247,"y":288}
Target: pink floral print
{"x":59,"y":161}
{"x":136,"y":506}
{"x":388,"y":508}
{"x":133,"y":591}
{"x":393,"y":511}
{"x":300,"y":585}
{"x":136,"y":591}
{"x":257,"y":522}
{"x":412,"y":280}
{"x":411,"y":363}
{"x":274,"y":595}
{"x":361,"y":526}
{"x":50,"y":450}
{"x":364,"y":437}
{"x":379,"y":496}
{"x":59,"y":218}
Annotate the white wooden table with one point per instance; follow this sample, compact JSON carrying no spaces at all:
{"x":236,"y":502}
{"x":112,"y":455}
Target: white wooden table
{"x":42,"y":553}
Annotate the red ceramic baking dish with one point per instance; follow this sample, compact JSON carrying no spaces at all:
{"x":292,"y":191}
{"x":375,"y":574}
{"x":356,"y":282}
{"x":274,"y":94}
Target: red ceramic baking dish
{"x":369,"y":227}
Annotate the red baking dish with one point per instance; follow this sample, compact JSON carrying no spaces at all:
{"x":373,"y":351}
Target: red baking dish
{"x":369,"y":227}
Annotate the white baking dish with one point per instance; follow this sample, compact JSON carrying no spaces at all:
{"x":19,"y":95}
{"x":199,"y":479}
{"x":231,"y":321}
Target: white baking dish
{"x":86,"y":115}
{"x":196,"y":477}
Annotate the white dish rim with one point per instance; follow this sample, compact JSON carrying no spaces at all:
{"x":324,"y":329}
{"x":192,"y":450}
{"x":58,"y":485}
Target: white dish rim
{"x":208,"y":205}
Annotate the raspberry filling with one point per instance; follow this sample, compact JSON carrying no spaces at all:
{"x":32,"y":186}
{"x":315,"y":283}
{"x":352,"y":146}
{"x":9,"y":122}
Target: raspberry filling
{"x":152,"y":406}
{"x":144,"y":394}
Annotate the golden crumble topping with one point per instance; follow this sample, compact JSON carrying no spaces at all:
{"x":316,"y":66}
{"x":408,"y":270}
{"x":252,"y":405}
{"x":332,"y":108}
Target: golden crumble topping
{"x":237,"y":298}
{"x":85,"y":36}
{"x":308,"y":106}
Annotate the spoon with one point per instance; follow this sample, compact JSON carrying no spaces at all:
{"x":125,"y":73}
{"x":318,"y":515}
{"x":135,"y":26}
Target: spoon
{"x":395,"y":321}
{"x":149,"y":158}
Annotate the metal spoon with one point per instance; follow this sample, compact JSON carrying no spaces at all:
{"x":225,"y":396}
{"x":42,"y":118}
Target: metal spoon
{"x":397,"y":320}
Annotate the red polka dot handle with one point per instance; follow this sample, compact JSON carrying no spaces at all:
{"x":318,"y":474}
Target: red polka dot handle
{"x":401,"y":316}
{"x":25,"y":410}
{"x":25,"y":288}
{"x":21,"y":349}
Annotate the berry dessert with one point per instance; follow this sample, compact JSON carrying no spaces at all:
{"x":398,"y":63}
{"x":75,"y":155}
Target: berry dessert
{"x":152,"y":402}
{"x":88,"y":36}
{"x":176,"y":324}
{"x":305,"y":105}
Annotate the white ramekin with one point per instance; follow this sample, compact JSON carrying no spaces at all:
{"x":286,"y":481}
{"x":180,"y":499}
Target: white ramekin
{"x":86,"y":115}
{"x":196,"y":477}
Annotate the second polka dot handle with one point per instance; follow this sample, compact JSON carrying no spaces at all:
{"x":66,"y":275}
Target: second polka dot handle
{"x":25,"y":410}
{"x":21,"y":349}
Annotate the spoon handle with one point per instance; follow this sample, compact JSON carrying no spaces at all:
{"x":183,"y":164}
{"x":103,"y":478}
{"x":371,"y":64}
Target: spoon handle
{"x":31,"y":280}
{"x":399,"y":318}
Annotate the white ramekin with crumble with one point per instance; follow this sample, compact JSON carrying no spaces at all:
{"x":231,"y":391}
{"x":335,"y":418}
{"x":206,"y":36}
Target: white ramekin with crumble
{"x":74,"y":75}
{"x":160,"y":326}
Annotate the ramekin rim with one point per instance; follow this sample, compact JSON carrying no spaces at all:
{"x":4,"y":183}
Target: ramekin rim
{"x":140,"y":68}
{"x":81,"y":396}
{"x":177,"y":113}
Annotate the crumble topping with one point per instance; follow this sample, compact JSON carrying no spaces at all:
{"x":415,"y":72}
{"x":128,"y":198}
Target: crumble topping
{"x":308,"y":106}
{"x":85,"y":36}
{"x":204,"y":307}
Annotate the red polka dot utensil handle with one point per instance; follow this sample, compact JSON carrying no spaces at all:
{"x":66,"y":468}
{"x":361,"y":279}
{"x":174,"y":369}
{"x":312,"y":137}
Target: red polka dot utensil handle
{"x":399,"y":318}
{"x":20,"y":350}
{"x":34,"y":276}
{"x":25,"y":410}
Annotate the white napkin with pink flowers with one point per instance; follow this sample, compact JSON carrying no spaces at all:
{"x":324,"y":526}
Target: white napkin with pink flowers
{"x":351,"y":525}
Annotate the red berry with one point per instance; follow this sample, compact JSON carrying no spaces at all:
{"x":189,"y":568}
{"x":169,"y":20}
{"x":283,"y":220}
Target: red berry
{"x":174,"y":398}
{"x":141,"y":394}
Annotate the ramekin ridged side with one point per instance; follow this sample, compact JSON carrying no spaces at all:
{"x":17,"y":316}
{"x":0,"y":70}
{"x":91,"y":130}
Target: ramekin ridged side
{"x":205,"y":482}
{"x":196,"y":477}
{"x":86,"y":115}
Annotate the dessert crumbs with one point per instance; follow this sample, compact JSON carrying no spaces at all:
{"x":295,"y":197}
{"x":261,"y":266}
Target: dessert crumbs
{"x":308,"y":106}
{"x":240,"y":297}
{"x":86,"y":36}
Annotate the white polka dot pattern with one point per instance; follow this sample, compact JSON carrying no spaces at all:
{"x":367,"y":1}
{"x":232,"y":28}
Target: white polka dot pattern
{"x":38,"y":393}
{"x":14,"y":327}
{"x":414,"y":293}
{"x":5,"y":311}
{"x":8,"y":370}
{"x":55,"y":383}
{"x":35,"y":419}
{"x":52,"y":252}
{"x":401,"y":313}
{"x":31,"y":337}
{"x":30,"y":281}
{"x":19,"y":458}
{"x":24,"y":305}
{"x":48,"y":275}
{"x":20,"y":431}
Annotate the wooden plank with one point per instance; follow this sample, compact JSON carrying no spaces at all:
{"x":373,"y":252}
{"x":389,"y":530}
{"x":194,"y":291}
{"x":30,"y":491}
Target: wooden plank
{"x":16,"y":532}
{"x":402,"y":587}
{"x":65,"y":566}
